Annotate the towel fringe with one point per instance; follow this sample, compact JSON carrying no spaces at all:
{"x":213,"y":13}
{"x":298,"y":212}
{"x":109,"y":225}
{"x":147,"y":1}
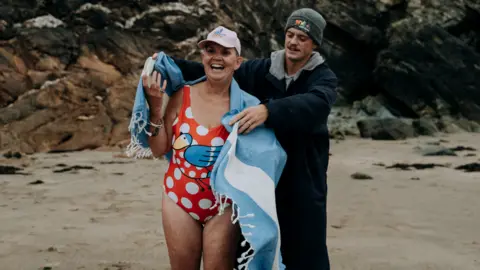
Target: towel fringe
{"x":221,"y":202}
{"x":134,"y":148}
{"x":245,"y":256}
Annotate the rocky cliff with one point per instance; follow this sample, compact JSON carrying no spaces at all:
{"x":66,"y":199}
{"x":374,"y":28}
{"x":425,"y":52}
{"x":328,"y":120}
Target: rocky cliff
{"x":69,"y":68}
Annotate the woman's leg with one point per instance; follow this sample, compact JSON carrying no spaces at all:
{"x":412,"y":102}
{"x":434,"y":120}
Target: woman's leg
{"x":183,"y":235}
{"x":220,"y":239}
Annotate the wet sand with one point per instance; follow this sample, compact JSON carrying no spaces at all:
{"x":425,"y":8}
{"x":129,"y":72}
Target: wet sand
{"x":109,"y":216}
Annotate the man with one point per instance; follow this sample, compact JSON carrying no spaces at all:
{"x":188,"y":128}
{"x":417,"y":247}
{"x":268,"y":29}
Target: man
{"x":297,"y":90}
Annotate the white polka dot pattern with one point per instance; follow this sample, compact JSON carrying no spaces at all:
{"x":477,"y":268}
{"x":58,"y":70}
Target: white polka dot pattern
{"x":169,"y":182}
{"x":184,"y":183}
{"x":186,"y":202}
{"x":177,"y":174}
{"x":192,"y":188}
{"x":185,"y":128}
{"x":205,"y":203}
{"x":188,"y":113}
{"x":173,"y":196}
{"x":202,"y":131}
{"x":217,"y":141}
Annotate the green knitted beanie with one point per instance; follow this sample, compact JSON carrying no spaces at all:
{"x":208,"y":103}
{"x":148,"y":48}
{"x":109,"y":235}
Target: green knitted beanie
{"x":308,"y":21}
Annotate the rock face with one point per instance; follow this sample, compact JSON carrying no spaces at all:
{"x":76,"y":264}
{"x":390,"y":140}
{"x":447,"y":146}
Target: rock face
{"x":435,"y":75}
{"x":69,"y":68}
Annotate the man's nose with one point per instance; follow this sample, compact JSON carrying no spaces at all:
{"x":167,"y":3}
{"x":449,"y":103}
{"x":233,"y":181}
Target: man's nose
{"x":294,"y":40}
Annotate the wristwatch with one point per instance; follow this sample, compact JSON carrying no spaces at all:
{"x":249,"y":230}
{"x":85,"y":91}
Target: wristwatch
{"x":156,"y":127}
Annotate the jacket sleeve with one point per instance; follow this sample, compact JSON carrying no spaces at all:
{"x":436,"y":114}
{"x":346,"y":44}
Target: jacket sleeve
{"x":307,"y":112}
{"x":190,"y":70}
{"x":245,"y":75}
{"x":249,"y":73}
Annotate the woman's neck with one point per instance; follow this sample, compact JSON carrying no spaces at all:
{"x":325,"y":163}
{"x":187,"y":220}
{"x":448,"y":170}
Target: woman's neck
{"x":220,"y":89}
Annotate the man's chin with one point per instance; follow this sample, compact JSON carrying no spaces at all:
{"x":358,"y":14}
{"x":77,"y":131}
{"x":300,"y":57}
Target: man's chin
{"x":294,"y":57}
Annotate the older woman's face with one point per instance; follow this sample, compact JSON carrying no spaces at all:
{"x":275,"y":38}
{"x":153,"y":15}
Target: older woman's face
{"x":220,"y":62}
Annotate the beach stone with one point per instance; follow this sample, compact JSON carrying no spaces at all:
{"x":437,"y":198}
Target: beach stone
{"x":361,"y":176}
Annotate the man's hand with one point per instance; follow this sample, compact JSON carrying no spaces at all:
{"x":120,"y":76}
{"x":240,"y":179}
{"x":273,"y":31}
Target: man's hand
{"x":250,"y":118}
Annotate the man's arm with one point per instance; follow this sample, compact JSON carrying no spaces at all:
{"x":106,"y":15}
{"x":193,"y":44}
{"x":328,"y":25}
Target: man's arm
{"x":304,"y":113}
{"x":190,"y":70}
{"x":250,"y":72}
{"x":245,"y":75}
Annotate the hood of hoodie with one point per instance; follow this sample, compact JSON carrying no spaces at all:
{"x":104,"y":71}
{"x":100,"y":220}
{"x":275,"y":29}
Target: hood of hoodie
{"x":277,"y":68}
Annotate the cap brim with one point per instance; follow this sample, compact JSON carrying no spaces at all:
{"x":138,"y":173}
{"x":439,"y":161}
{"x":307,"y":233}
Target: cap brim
{"x":202,"y":43}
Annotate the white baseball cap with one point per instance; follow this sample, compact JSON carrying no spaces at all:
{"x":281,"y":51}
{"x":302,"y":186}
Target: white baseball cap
{"x":224,"y":37}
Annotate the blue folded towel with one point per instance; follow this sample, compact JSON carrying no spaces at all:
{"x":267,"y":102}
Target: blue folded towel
{"x":246,"y":171}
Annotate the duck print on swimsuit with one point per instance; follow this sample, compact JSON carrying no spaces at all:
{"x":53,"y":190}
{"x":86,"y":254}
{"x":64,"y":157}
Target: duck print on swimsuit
{"x":194,"y":151}
{"x":201,"y":156}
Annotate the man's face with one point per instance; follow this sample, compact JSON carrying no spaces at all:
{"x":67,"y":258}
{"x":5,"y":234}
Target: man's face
{"x":298,"y":45}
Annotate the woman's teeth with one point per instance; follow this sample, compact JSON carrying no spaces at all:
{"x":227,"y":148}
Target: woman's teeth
{"x":215,"y":66}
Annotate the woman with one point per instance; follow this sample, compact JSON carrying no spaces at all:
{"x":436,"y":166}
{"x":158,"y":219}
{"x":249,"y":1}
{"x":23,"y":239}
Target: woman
{"x":191,"y":127}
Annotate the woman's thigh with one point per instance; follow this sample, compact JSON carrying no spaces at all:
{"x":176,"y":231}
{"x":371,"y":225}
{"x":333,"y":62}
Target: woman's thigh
{"x":183,"y":235}
{"x":220,"y":239}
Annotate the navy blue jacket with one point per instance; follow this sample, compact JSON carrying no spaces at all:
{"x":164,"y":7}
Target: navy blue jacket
{"x":299,"y":118}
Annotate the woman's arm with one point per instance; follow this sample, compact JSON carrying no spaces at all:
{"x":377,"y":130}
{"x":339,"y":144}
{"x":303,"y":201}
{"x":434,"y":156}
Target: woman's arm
{"x":161,"y":119}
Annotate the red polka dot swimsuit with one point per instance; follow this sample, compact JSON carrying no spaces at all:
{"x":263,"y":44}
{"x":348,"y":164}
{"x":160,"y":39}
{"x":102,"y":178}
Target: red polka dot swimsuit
{"x":194,"y":151}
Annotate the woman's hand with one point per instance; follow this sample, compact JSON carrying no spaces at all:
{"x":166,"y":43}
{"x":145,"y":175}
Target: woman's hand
{"x":154,"y":93}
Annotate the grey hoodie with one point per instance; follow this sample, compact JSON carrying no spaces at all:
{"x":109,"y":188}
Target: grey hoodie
{"x":277,"y":69}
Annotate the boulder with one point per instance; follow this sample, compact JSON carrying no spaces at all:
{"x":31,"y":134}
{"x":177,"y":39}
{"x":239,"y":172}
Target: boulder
{"x":386,"y":129}
{"x":424,"y":127}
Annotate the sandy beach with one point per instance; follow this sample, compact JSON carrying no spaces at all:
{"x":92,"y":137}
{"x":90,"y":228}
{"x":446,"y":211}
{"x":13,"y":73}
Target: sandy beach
{"x":105,"y":213}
